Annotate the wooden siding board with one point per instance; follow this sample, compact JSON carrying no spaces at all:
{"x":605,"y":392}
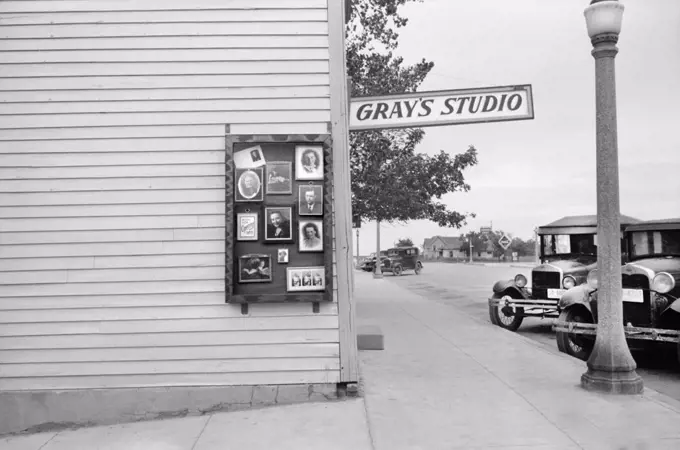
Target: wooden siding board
{"x":322,"y":375}
{"x":167,"y":42}
{"x":118,"y":106}
{"x":63,"y":6}
{"x":233,"y":60}
{"x":76,"y":97}
{"x":186,"y":339}
{"x":196,"y":16}
{"x":329,"y":350}
{"x":112,"y":217}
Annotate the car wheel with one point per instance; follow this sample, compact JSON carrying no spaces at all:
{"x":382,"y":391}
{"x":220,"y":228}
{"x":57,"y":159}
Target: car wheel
{"x":578,"y":346}
{"x":419,"y":267}
{"x":397,"y":270}
{"x":505,"y":317}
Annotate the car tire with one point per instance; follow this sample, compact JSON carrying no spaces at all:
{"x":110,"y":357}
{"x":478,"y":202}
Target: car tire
{"x":502,"y":319}
{"x":419,"y":267}
{"x":577,"y":346}
{"x":397,"y":270}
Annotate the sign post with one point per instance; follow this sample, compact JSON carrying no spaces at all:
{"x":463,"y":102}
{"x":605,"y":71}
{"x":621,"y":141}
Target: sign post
{"x":505,"y":241}
{"x":437,"y":108}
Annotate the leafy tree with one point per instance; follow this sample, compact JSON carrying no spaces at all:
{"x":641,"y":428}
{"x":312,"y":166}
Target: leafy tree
{"x":390,"y":181}
{"x":404,"y":242}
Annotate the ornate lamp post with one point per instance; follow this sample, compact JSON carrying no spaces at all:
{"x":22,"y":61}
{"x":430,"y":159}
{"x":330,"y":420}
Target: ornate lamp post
{"x":611,"y":367}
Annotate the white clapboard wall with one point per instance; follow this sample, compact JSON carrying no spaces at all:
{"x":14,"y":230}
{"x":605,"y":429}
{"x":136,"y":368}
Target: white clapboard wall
{"x":112,"y":118}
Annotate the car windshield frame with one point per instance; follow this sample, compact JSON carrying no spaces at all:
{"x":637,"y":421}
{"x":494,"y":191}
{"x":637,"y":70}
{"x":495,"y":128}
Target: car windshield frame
{"x":556,"y":245}
{"x":656,"y":243}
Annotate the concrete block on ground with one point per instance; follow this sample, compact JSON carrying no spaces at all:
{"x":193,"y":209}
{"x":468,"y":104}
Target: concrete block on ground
{"x":370,"y":337}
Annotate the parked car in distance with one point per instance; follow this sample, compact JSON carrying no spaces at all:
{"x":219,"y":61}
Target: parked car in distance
{"x":650,"y":294}
{"x":402,"y":258}
{"x":568,"y":251}
{"x":368,"y":264}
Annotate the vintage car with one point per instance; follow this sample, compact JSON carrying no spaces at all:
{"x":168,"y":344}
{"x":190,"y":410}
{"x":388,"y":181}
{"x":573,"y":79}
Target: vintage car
{"x":650,"y":295}
{"x":402,"y":258}
{"x":568,"y":251}
{"x":368,"y":264}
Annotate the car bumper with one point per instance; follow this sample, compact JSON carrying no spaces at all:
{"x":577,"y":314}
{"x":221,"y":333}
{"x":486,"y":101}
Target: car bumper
{"x":634,"y":333}
{"x":531,"y":306}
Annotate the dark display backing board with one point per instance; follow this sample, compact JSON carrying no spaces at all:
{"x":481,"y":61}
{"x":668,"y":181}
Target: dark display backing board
{"x":276,"y":148}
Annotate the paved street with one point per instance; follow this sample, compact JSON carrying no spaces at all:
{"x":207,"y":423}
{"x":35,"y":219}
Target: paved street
{"x":467,"y":288}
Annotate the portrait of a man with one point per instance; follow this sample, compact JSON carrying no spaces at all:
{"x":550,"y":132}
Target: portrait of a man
{"x":308,"y":162}
{"x":248,"y":185}
{"x":311,"y":233}
{"x":279,"y":178}
{"x":310,"y":200}
{"x":249,"y":158}
{"x":278,"y":224}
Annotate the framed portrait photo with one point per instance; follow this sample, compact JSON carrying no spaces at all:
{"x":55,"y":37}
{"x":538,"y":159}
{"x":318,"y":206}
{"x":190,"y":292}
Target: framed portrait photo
{"x":310,"y":200}
{"x":254,"y":268}
{"x":310,"y":236}
{"x":278,"y":223}
{"x":308,"y":162}
{"x":301,"y":279}
{"x":279,"y":177}
{"x":282,"y":256}
{"x":249,"y":158}
{"x":246,"y":227}
{"x":248,"y":185}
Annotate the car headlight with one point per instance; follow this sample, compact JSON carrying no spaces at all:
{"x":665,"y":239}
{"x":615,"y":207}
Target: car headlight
{"x":568,"y":282}
{"x":592,"y":279}
{"x":520,"y":280}
{"x":663,"y":282}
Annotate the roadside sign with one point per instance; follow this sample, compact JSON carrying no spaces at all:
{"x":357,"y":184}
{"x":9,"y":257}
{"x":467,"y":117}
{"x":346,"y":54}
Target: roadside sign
{"x":485,"y":230}
{"x":435,"y":108}
{"x":505,"y":241}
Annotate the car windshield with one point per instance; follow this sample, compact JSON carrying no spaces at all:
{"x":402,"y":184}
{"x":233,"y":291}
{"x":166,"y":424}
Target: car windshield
{"x":655,"y":243}
{"x":565,"y":244}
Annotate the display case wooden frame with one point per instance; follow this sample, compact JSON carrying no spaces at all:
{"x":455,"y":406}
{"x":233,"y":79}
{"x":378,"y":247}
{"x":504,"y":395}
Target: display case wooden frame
{"x":230,"y":259}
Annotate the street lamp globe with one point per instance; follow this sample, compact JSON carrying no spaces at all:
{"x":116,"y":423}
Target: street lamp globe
{"x":604,"y":17}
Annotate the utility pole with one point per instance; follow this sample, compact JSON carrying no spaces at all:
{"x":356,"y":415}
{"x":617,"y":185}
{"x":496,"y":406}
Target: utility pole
{"x":357,"y":247}
{"x":470,"y":239}
{"x":378,"y":270}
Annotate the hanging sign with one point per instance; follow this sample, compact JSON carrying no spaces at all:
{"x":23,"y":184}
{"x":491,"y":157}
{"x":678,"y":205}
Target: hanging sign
{"x":436,"y":108}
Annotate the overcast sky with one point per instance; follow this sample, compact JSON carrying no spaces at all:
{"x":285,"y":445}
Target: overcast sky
{"x":536,"y":171}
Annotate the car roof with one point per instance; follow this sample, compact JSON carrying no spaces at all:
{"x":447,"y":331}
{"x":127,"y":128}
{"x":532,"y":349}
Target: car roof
{"x":586,"y":224}
{"x":658,"y":224}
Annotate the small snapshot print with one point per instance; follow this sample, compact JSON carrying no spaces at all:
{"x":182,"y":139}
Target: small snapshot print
{"x":301,"y":279}
{"x":254,"y":268}
{"x":283,"y":256}
{"x":310,"y":200}
{"x":246,"y":227}
{"x":278,"y":223}
{"x":248,"y":185}
{"x":308,"y":162}
{"x":279,"y":178}
{"x":249,"y":158}
{"x":310,"y":236}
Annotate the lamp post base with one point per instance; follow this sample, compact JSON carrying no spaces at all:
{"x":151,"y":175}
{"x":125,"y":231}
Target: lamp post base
{"x":626,"y":382}
{"x":377,"y":275}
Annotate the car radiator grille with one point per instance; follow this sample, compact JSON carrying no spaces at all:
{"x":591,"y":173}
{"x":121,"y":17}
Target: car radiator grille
{"x":541,"y":281}
{"x":639,"y":314}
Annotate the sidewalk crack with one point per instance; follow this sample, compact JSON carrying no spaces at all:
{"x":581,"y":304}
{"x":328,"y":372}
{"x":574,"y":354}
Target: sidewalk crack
{"x":198,"y":438}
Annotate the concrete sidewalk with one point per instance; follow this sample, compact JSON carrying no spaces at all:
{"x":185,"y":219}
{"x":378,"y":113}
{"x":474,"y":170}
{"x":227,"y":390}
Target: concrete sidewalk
{"x":447,"y":380}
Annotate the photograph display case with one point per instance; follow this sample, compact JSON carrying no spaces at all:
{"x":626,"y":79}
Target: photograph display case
{"x":278,"y":227}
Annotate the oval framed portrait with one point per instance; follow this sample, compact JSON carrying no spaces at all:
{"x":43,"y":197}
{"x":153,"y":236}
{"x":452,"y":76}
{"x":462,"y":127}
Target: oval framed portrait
{"x":249,"y":185}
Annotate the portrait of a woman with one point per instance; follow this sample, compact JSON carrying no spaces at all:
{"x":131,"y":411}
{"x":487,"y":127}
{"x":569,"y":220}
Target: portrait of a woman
{"x":310,"y":236}
{"x":308,"y":162}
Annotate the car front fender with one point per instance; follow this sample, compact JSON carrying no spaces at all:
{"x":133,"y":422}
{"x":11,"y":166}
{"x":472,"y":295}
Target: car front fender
{"x":503,"y":287}
{"x":578,"y":295}
{"x":675,"y":306}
